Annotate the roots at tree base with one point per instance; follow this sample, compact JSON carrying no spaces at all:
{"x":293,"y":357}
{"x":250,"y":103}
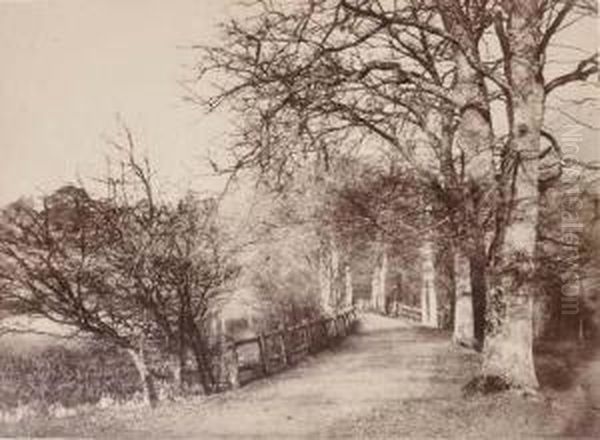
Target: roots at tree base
{"x":507,"y":357}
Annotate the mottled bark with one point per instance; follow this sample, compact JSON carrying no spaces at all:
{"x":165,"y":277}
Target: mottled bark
{"x":508,"y":350}
{"x":472,"y":147}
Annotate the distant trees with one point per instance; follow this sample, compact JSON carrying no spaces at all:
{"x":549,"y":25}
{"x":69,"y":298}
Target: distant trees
{"x":284,"y":274}
{"x":127,"y":269}
{"x":418,"y":81}
{"x":298,"y":262}
{"x":382,"y":208}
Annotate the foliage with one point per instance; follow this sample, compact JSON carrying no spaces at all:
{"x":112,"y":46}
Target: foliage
{"x":59,"y":375}
{"x":284,"y":277}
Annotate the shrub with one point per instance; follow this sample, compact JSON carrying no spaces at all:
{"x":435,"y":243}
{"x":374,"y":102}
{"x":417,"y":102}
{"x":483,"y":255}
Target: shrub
{"x":66,"y":376}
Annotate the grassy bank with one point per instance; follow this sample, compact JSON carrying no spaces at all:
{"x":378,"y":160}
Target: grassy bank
{"x":56,"y":380}
{"x":387,"y":383}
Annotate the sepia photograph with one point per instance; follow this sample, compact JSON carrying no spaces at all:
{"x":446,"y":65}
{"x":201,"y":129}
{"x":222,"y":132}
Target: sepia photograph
{"x":299,"y":219}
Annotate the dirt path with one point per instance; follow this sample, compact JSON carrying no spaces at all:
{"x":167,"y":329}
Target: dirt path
{"x":387,"y":360}
{"x":389,"y":381}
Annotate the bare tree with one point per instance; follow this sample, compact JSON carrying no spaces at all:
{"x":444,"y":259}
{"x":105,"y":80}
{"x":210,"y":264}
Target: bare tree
{"x":172,"y":259}
{"x":127,"y":269}
{"x":415,"y":78}
{"x":53,"y":269}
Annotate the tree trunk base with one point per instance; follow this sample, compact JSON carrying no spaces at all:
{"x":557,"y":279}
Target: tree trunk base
{"x":463,"y":322}
{"x":508,"y":352}
{"x":485,"y":385}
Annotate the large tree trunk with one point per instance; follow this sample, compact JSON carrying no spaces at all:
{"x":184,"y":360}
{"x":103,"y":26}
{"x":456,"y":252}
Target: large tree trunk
{"x":472,"y":147}
{"x":508,"y":350}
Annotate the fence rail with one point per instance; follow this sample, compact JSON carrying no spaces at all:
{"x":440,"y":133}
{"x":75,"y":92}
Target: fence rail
{"x":396,"y":309}
{"x":251,"y":358}
{"x":408,"y":312}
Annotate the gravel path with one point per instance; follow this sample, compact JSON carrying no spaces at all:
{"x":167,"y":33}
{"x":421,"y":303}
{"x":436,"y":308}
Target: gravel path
{"x":386,"y":361}
{"x":389,"y":381}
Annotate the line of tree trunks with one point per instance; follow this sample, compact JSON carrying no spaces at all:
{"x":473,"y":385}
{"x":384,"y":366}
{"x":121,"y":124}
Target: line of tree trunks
{"x":471,"y":146}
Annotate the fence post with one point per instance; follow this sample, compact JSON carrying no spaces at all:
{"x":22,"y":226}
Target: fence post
{"x":262,"y":352}
{"x":230,"y":363}
{"x":305,"y":340}
{"x":346,"y":321}
{"x":311,"y":336}
{"x":282,"y":346}
{"x":325,"y":332}
{"x":341,"y":328}
{"x":334,"y":328}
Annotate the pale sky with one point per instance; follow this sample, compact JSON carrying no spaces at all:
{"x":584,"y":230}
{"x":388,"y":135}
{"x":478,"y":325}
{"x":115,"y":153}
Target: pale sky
{"x":70,"y":66}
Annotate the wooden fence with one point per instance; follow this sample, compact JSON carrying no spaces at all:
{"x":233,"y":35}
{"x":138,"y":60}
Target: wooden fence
{"x":408,"y":312}
{"x":395,"y":309}
{"x":415,"y":314}
{"x":267,"y":353}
